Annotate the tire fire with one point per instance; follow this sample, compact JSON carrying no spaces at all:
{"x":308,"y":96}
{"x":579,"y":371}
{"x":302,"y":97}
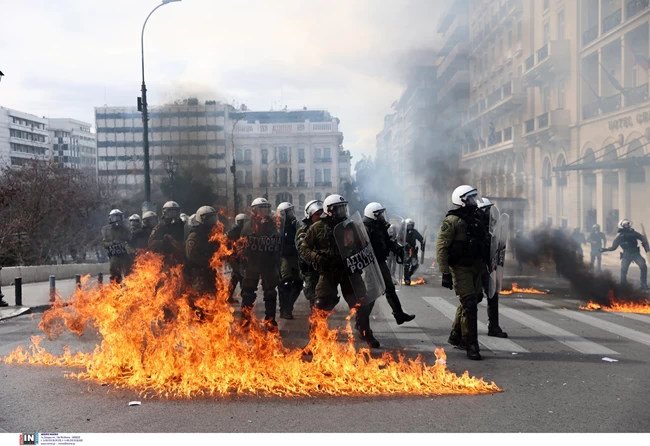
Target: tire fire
{"x":154,"y":342}
{"x":619,"y":306}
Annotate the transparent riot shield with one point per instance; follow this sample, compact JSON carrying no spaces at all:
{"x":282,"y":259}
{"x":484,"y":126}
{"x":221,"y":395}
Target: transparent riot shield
{"x":401,"y":239}
{"x":262,"y":249}
{"x":359,"y":259}
{"x":425,"y":234}
{"x":494,"y":250}
{"x":504,"y":223}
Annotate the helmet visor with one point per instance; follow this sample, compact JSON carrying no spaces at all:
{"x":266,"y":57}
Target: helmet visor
{"x":172,"y":213}
{"x":210,"y":219}
{"x":262,"y":211}
{"x":472,"y":199}
{"x":340,"y":211}
{"x":150,"y":222}
{"x":381,"y":215}
{"x":289,"y":213}
{"x":115,"y":218}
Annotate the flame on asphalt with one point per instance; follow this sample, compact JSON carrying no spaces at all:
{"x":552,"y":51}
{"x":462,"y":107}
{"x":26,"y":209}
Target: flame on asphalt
{"x":515,"y":289}
{"x":619,"y":306}
{"x":154,"y":342}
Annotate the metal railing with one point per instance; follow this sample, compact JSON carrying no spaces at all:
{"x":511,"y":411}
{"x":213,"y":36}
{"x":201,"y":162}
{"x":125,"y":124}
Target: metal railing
{"x":542,"y":53}
{"x":590,"y":35}
{"x":530,"y":62}
{"x":636,"y":95}
{"x":590,"y":110}
{"x":612,"y":20}
{"x":633,"y":7}
{"x":529,"y":125}
{"x":542,"y":121}
{"x":611,"y":103}
{"x":507,"y":134}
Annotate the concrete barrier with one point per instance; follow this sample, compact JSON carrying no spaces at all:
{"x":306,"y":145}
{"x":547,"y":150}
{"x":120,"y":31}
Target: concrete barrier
{"x":31,"y":274}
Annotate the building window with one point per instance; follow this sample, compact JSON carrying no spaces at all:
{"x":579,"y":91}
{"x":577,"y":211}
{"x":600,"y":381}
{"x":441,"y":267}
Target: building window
{"x":317,"y":156}
{"x":560,"y":94}
{"x":560,"y":25}
{"x":238,"y":155}
{"x":301,"y":175}
{"x":318,"y":177}
{"x":284,"y":176}
{"x":547,"y":32}
{"x":327,"y":175}
{"x":317,"y":196}
{"x":240,"y":177}
{"x":301,"y":155}
{"x":519,"y":31}
{"x":545,"y":98}
{"x":249,"y":177}
{"x":326,"y":154}
{"x":265,"y":177}
{"x":265,"y":156}
{"x":284,"y":155}
{"x":301,"y":201}
{"x":509,"y":39}
{"x":546,"y":2}
{"x":248,"y":155}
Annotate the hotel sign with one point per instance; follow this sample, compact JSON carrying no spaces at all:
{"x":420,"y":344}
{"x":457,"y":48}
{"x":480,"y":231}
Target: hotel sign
{"x":627,"y":122}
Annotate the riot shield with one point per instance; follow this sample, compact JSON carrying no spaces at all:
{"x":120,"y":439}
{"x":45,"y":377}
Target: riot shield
{"x":359,"y":259}
{"x":262,"y":250}
{"x":425,"y":233}
{"x":504,"y":223}
{"x":494,"y":250}
{"x":401,"y":239}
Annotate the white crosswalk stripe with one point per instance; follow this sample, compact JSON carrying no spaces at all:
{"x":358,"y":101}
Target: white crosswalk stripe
{"x":565,"y":337}
{"x":602,"y":324}
{"x":494,"y":344}
{"x":409,"y":335}
{"x":637,"y":317}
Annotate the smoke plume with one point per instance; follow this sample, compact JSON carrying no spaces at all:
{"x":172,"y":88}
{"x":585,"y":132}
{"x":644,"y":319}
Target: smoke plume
{"x":555,"y":245}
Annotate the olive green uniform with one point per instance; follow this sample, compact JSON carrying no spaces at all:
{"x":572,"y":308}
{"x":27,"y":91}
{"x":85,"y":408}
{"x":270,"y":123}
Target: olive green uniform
{"x":307,"y":272}
{"x":460,"y":250}
{"x":172,"y":247}
{"x":319,"y":248}
{"x":290,"y":280}
{"x":115,"y":239}
{"x":199,"y":251}
{"x":235,"y":265}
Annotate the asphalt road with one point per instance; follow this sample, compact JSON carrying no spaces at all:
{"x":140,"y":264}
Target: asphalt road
{"x":551,"y":370}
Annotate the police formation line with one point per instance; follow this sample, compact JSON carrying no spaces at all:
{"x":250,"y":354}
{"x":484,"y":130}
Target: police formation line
{"x":326,"y":250}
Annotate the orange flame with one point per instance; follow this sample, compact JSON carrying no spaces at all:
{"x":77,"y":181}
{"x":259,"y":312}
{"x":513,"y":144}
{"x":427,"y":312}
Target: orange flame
{"x":619,"y":306}
{"x":433,"y":265}
{"x":418,"y":281}
{"x":515,"y":289}
{"x":155,"y":343}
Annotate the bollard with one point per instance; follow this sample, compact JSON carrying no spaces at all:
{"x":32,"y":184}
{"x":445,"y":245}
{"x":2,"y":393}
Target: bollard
{"x":77,"y":280}
{"x":100,"y":278}
{"x":52,"y":288}
{"x":18,"y":284}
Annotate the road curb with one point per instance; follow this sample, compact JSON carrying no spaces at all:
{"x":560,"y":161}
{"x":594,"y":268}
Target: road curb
{"x":18,"y":311}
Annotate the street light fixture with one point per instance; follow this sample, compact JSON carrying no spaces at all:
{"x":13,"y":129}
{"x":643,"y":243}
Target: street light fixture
{"x":147,"y":205}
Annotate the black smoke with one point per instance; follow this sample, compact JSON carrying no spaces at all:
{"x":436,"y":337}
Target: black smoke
{"x":555,"y":245}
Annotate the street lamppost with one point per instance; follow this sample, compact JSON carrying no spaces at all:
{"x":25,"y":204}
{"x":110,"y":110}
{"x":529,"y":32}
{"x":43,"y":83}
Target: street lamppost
{"x":147,"y":206}
{"x":171,"y":167}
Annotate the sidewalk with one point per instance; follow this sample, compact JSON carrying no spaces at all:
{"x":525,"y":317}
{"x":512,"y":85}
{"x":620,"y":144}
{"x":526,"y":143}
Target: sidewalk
{"x":36,"y":296}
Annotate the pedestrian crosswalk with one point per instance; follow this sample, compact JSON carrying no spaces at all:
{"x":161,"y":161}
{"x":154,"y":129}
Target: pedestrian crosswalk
{"x":534,"y":326}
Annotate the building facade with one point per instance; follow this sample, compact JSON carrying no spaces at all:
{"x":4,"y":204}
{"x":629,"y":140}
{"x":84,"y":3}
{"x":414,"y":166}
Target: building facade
{"x":190,"y":133}
{"x":557,"y":124}
{"x":73,"y":144}
{"x":23,"y":137}
{"x":294,"y":156}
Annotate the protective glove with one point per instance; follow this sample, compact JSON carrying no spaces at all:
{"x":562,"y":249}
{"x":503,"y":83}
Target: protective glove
{"x":604,"y":250}
{"x":324,"y":264}
{"x":447,"y":281}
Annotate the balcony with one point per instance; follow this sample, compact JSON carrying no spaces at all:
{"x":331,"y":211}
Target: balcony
{"x":302,"y":184}
{"x":609,"y":104}
{"x":502,"y":100}
{"x":590,"y":110}
{"x":590,"y":35}
{"x":633,"y":7}
{"x":611,"y":21}
{"x":547,"y":62}
{"x":636,"y":95}
{"x":509,"y":138}
{"x":326,"y":160}
{"x":548,"y":127}
{"x":323,"y":184}
{"x":496,"y":23}
{"x":457,"y":86}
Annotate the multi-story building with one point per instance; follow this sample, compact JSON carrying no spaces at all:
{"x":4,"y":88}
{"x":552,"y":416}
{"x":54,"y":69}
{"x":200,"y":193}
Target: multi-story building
{"x":558,"y":123}
{"x":73,"y":144}
{"x":189,"y":133}
{"x":293,"y":156}
{"x":23,"y":137}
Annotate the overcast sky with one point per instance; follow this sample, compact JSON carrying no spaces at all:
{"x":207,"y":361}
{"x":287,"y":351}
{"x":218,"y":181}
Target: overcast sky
{"x":63,"y":58}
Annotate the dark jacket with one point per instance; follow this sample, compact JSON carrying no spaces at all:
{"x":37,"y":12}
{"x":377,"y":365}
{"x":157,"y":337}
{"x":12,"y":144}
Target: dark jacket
{"x":140,"y":238}
{"x":597,"y":241}
{"x":629,"y":239}
{"x":289,"y":242}
{"x":381,"y":242}
{"x":319,"y":243}
{"x":412,"y":236}
{"x":159,"y":244}
{"x":199,"y":251}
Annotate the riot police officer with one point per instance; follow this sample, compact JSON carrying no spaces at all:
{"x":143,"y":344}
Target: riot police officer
{"x":319,"y":248}
{"x":261,"y":261}
{"x":290,"y":281}
{"x":629,"y":239}
{"x":199,"y":251}
{"x":309,"y":275}
{"x":167,"y":237}
{"x":597,"y":241}
{"x":139,"y":236}
{"x":460,"y":254}
{"x":411,"y":257}
{"x":235,"y":265}
{"x":382,"y":244}
{"x":115,"y":239}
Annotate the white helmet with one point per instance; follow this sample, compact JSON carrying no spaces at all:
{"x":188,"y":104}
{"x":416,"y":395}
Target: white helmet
{"x":410,"y":224}
{"x":485,"y":203}
{"x":625,"y":224}
{"x":241,"y":218}
{"x":336,"y":206}
{"x":261,"y":207}
{"x":392,"y":232}
{"x":286,"y":208}
{"x":149,"y":219}
{"x":136,"y":221}
{"x":312,"y":207}
{"x":115,"y":216}
{"x":184,"y":217}
{"x":206,"y":215}
{"x":171,"y":211}
{"x":375,"y":211}
{"x":464,"y":196}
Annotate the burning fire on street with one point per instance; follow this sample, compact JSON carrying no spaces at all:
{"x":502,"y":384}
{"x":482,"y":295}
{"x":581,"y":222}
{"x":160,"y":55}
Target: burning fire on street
{"x":619,"y":306}
{"x":154,"y":342}
{"x":515,"y":289}
{"x":418,"y":281}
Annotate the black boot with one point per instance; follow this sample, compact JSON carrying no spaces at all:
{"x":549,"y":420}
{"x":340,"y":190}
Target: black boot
{"x":367,"y":336}
{"x":402,"y":317}
{"x":3,"y":303}
{"x":456,"y":339}
{"x":471,"y":313}
{"x":494,"y":329}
